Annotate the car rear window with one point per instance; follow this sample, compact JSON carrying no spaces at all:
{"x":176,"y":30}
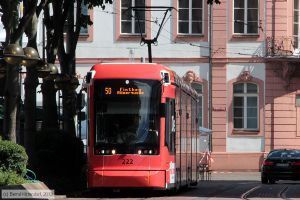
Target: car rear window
{"x":285,"y":154}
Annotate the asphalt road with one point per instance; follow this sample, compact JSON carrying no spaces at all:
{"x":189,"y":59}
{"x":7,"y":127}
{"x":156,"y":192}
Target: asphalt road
{"x":227,"y":185}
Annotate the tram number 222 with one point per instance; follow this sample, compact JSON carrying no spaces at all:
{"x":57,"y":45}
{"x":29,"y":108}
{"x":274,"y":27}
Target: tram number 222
{"x":127,"y":162}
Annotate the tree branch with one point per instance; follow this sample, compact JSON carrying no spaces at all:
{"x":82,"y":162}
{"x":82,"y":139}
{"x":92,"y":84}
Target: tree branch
{"x":59,"y":31}
{"x":78,"y":23}
{"x":40,"y":7}
{"x":23,"y":23}
{"x":213,"y":1}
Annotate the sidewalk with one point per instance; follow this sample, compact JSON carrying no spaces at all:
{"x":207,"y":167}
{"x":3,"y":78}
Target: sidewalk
{"x":249,"y":176}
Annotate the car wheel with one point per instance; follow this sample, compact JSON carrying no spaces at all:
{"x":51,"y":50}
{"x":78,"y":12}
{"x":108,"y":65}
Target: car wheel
{"x":264,"y":180}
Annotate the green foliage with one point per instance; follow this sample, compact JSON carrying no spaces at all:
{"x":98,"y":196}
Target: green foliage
{"x":59,"y":153}
{"x":213,"y":1}
{"x":13,"y":161}
{"x":10,"y":178}
{"x":94,"y":3}
{"x":13,"y":158}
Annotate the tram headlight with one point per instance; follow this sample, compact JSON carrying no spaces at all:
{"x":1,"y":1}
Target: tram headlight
{"x":106,"y":151}
{"x":146,"y":151}
{"x":113,"y":152}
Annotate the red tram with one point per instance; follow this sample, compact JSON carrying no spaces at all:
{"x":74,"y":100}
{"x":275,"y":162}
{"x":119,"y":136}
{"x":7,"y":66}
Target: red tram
{"x":143,"y":127}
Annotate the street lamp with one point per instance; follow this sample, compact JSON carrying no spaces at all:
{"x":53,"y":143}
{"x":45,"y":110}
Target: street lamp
{"x":53,"y":70}
{"x":16,"y":56}
{"x":31,"y":57}
{"x":13,"y":54}
{"x":47,"y":70}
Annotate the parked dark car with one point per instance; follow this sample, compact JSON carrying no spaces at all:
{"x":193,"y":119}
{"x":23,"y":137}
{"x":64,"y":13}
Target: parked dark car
{"x":281,"y":164}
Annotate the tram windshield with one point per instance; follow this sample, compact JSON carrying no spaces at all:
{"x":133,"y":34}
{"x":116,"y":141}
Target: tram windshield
{"x":127,"y":116}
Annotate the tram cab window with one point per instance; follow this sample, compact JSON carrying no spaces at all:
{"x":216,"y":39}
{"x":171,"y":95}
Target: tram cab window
{"x":127,"y":115}
{"x":170,"y":125}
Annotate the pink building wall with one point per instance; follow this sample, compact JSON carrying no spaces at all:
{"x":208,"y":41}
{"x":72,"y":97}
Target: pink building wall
{"x":282,"y":115}
{"x":279,"y":114}
{"x":219,"y":101}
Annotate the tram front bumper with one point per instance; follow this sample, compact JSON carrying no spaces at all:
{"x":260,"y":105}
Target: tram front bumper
{"x":128,"y":179}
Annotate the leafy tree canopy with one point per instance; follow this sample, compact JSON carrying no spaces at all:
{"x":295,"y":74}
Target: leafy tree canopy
{"x":94,"y":3}
{"x":213,"y":1}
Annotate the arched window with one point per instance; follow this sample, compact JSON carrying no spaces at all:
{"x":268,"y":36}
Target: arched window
{"x":199,"y":88}
{"x":245,"y":106}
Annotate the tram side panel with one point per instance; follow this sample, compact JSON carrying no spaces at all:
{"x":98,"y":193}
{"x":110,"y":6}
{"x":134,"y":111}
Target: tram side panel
{"x":170,"y":134}
{"x":189,"y":138}
{"x":184,"y":166}
{"x":178,"y":136}
{"x":194,"y":142}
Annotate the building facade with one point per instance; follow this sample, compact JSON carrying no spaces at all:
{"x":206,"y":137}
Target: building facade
{"x":253,"y":61}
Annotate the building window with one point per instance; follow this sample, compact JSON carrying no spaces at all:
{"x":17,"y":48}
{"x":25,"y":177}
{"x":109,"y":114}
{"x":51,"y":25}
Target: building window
{"x":296,"y":24}
{"x":199,"y":88}
{"x":297,"y":100}
{"x":132,"y":22}
{"x":190,"y":16}
{"x":245,"y":106}
{"x":246,"y":16}
{"x":84,"y":11}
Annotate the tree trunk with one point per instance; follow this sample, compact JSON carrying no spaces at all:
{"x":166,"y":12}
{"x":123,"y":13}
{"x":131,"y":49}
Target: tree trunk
{"x":11,"y":91}
{"x":14,"y":27}
{"x":50,"y":121}
{"x":12,"y":96}
{"x":68,"y":68}
{"x":31,"y":82}
{"x":69,"y":111}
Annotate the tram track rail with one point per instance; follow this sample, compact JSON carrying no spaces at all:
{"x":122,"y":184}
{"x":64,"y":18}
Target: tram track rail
{"x":282,"y":192}
{"x":248,"y":192}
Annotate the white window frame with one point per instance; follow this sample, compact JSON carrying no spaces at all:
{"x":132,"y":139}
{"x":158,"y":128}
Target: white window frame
{"x":202,"y":99}
{"x":190,"y":19}
{"x":245,"y":95}
{"x":296,"y":37}
{"x":201,"y":96}
{"x":246,"y":18}
{"x":133,"y":20}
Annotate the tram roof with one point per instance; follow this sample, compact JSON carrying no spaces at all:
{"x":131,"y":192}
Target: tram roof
{"x":139,"y":71}
{"x":129,"y":70}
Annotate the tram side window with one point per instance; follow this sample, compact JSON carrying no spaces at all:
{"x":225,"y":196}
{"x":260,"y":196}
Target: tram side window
{"x":170,"y":125}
